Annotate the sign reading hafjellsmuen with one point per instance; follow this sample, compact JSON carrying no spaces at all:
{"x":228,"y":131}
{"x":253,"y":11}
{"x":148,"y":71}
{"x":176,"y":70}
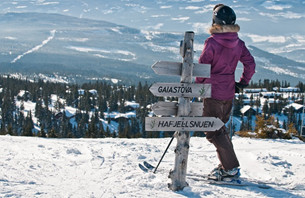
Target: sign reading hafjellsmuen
{"x":182,"y":123}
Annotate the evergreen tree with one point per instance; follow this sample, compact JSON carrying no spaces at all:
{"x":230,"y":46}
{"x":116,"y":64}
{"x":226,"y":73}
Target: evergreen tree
{"x":238,"y":104}
{"x":266,"y":109}
{"x":102,"y":133}
{"x":92,"y":131}
{"x":42,"y":133}
{"x":52,"y":133}
{"x":29,"y":125}
{"x":284,"y":125}
{"x":10,"y":130}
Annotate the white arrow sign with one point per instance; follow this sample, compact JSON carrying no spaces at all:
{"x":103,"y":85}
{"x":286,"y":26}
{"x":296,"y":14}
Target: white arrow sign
{"x":174,"y":69}
{"x":171,"y":108}
{"x":182,"y":124}
{"x":181,"y":90}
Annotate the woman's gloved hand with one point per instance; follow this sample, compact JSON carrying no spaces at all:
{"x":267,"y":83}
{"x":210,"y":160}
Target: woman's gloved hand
{"x":239,"y":86}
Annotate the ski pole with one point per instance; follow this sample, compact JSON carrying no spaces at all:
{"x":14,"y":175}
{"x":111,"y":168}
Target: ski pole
{"x":164,"y":153}
{"x":170,"y":142}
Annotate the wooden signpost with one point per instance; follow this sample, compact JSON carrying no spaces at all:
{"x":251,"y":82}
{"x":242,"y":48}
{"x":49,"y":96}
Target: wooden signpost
{"x":175,"y":69}
{"x":181,"y":90}
{"x":183,"y":124}
{"x":188,"y":115}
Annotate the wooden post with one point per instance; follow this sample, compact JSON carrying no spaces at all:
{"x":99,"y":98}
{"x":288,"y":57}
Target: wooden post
{"x":178,"y":175}
{"x":184,"y":120}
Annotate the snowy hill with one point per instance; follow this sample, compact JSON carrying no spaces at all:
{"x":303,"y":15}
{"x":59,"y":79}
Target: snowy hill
{"x":271,"y":66}
{"x":36,"y":167}
{"x":80,"y":49}
{"x":275,"y":26}
{"x":85,"y":39}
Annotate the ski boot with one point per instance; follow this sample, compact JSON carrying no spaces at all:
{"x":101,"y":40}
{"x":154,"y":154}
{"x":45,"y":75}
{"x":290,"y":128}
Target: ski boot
{"x":219,"y":174}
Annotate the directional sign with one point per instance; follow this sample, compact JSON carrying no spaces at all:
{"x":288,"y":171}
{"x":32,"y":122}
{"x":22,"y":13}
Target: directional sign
{"x":171,"y":108}
{"x":182,"y":124}
{"x":174,"y":69}
{"x":181,"y":90}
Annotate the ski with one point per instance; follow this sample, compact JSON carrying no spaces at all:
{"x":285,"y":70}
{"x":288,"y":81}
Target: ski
{"x":206,"y":176}
{"x":143,"y":168}
{"x":146,"y":167}
{"x":241,"y":182}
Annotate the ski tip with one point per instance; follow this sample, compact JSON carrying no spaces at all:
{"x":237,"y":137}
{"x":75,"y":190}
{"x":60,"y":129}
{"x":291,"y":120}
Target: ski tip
{"x":143,"y":168}
{"x":148,"y":165}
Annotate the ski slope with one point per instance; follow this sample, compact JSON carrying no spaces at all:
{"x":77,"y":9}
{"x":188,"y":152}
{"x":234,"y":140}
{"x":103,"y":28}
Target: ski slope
{"x":38,"y":167}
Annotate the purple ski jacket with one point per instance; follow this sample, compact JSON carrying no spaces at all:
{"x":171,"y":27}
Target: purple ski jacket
{"x":223,"y":49}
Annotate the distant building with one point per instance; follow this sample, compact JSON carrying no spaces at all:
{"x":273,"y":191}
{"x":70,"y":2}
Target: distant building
{"x":81,"y":92}
{"x":131,"y":106}
{"x":256,"y":90}
{"x":270,"y":94}
{"x":288,"y":89}
{"x":247,"y":110}
{"x":297,"y":107}
{"x":93,"y":92}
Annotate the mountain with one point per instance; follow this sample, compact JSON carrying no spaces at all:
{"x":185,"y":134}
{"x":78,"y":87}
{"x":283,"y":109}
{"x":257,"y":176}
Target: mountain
{"x":73,"y":46}
{"x":41,"y":167}
{"x":271,"y":66}
{"x":275,"y":26}
{"x":82,"y":49}
{"x":297,"y":55}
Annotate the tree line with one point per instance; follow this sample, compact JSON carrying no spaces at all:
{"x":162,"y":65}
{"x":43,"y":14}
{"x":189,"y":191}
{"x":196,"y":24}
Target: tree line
{"x":93,"y":103}
{"x":269,"y":109}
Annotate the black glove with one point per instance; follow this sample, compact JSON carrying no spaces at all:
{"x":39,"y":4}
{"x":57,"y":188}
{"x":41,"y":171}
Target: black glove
{"x":239,"y":86}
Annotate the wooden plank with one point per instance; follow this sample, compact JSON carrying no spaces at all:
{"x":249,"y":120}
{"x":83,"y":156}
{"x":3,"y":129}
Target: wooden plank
{"x":167,"y":68}
{"x":171,"y":108}
{"x":181,"y":90}
{"x":182,"y":124}
{"x":175,"y":69}
{"x":202,"y":70}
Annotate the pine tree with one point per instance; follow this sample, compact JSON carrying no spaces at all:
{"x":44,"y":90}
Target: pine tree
{"x":52,"y":133}
{"x":107,"y":132}
{"x":102,"y":133}
{"x":238,"y":104}
{"x":266,"y":109}
{"x":10,"y":130}
{"x":29,"y":125}
{"x":284,"y":125}
{"x":41,"y":133}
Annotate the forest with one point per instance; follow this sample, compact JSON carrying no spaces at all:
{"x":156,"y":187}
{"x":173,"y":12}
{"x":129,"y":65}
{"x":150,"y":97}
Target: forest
{"x":94,"y":102}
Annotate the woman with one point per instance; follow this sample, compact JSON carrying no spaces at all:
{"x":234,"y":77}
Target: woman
{"x":223,"y":49}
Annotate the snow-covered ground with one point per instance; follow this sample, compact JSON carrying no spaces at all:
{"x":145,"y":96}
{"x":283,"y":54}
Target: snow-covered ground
{"x":38,"y":167}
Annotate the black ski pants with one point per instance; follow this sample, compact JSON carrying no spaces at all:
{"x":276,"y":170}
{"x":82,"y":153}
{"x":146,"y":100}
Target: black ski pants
{"x":220,"y":138}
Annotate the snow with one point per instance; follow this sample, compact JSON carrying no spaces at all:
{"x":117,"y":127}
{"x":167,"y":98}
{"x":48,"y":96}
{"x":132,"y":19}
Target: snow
{"x":36,"y":48}
{"x":93,"y":91}
{"x":132,"y":104}
{"x":126,"y":55}
{"x":288,"y":89}
{"x":271,"y":39}
{"x":245,"y":109}
{"x":40,"y":167}
{"x":116,"y":115}
{"x":296,"y":106}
